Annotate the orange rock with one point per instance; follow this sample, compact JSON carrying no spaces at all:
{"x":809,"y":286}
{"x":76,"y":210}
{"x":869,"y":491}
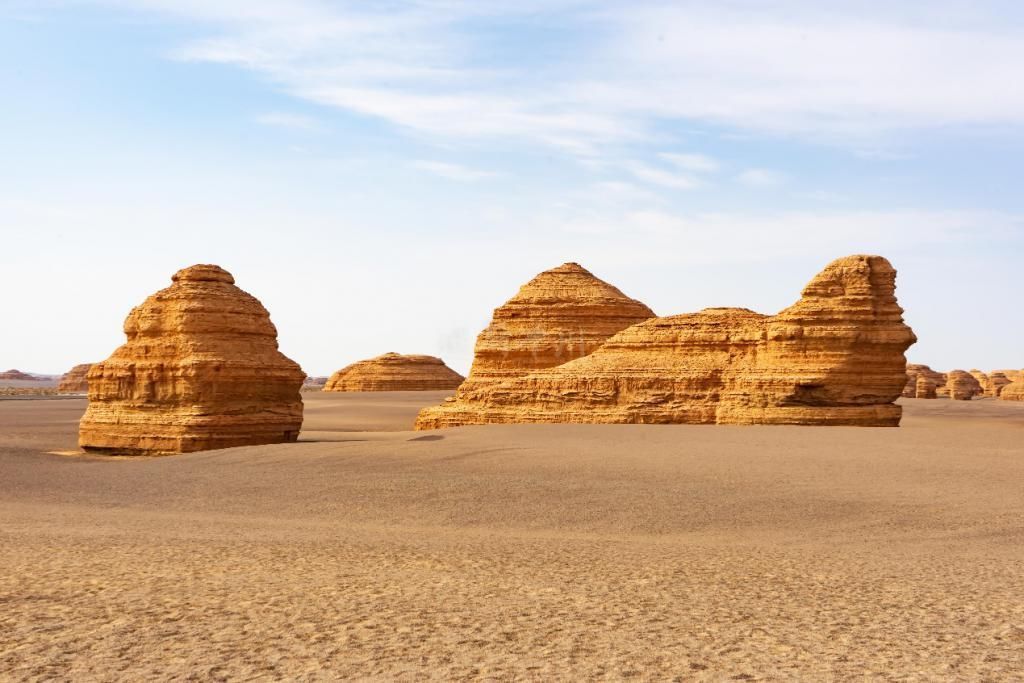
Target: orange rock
{"x":997,"y":380}
{"x":75,"y":381}
{"x":395,"y":372}
{"x":562,"y":314}
{"x":925,"y":388}
{"x":914,"y":371}
{"x":1015,"y":390}
{"x":833,"y":358}
{"x":200,"y":370}
{"x":962,"y":386}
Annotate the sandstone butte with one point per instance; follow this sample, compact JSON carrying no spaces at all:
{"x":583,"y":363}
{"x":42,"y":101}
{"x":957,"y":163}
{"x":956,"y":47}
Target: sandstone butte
{"x":19,"y":375}
{"x":836,"y":357}
{"x":962,"y":386}
{"x":914,"y":371}
{"x":560,"y":315}
{"x":395,"y":372}
{"x":75,"y":380}
{"x":200,"y":370}
{"x":925,"y":388}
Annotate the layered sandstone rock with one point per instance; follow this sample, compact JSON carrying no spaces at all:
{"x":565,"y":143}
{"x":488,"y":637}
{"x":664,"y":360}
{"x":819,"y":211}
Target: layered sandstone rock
{"x":914,"y":371}
{"x":562,"y":314}
{"x":962,"y":386}
{"x":833,"y":358}
{"x":1013,"y":391}
{"x":925,"y":388}
{"x":200,"y":370}
{"x":75,"y":380}
{"x":19,"y":376}
{"x":997,"y":381}
{"x":395,"y":372}
{"x":314,"y":383}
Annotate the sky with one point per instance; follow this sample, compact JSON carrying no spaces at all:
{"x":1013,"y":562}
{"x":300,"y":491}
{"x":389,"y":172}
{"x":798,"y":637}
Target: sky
{"x":382,"y":175}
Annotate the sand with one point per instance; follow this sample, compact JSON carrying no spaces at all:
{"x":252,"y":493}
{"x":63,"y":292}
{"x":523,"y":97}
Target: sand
{"x":519,"y":552}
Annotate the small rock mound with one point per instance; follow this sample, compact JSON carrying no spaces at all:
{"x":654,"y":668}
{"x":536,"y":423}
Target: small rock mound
{"x":20,"y":376}
{"x":395,"y":372}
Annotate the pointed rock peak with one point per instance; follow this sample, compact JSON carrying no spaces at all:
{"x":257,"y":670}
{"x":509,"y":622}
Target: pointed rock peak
{"x":857,"y":274}
{"x":569,"y":282}
{"x":571,"y":267}
{"x":203,"y":272}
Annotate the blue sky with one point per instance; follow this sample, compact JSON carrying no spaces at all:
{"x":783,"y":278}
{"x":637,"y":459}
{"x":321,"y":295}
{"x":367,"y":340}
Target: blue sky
{"x":382,"y":175}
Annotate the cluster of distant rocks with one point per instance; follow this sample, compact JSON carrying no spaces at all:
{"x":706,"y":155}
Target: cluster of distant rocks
{"x":963,"y":385}
{"x":201,"y":368}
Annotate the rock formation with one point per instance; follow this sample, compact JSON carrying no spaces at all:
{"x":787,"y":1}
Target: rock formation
{"x":833,"y":358}
{"x":925,"y":388}
{"x":1013,"y":391}
{"x":19,"y":375}
{"x":962,"y":386}
{"x":996,"y":381}
{"x":314,"y":383}
{"x":562,"y":314}
{"x":200,"y":370}
{"x":395,"y":372}
{"x":75,"y":381}
{"x":914,"y":371}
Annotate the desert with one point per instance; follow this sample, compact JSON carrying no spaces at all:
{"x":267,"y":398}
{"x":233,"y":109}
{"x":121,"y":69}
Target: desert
{"x":367,"y":550}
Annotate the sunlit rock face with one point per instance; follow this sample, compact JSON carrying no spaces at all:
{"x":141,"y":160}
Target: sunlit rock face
{"x":75,"y":380}
{"x":395,"y":372}
{"x":836,"y":357}
{"x":200,"y":370}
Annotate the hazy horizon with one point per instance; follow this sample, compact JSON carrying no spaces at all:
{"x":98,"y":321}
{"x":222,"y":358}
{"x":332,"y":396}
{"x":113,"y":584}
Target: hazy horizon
{"x":382,"y":179}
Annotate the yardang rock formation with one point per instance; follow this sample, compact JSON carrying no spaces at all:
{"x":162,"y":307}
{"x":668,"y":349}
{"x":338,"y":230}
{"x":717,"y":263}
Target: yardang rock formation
{"x":20,"y":376}
{"x":395,"y":372}
{"x":75,"y":380}
{"x":560,"y":315}
{"x":200,"y":370}
{"x":833,"y":358}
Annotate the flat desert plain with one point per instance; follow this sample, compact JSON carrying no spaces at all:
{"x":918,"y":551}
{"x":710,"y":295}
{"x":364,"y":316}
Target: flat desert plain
{"x":519,"y":552}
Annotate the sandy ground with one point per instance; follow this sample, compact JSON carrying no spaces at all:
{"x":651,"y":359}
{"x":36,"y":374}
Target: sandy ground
{"x":519,"y":552}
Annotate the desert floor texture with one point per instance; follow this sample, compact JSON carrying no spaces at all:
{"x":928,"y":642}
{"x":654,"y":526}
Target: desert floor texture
{"x":518,"y":552}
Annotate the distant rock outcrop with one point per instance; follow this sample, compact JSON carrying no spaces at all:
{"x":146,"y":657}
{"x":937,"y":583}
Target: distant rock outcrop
{"x":75,"y":380}
{"x":395,"y":372}
{"x":562,"y":314}
{"x":925,"y":388}
{"x":915,"y":371}
{"x":962,"y":386}
{"x":200,"y":370}
{"x":1013,"y":391}
{"x":19,"y":375}
{"x":833,"y":358}
{"x":314,"y":383}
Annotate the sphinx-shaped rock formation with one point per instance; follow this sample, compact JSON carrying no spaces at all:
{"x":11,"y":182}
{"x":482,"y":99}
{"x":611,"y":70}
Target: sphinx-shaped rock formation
{"x":925,"y":388}
{"x":833,"y":358}
{"x":75,"y":380}
{"x":915,"y":371}
{"x":395,"y":372}
{"x":200,"y":370}
{"x":962,"y":386}
{"x":562,"y":314}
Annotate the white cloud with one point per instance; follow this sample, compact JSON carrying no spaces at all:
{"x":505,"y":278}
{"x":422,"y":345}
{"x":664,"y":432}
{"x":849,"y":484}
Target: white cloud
{"x":452,"y":171}
{"x":847,"y":73}
{"x":697,"y":163}
{"x":287,"y":120}
{"x":657,"y":176}
{"x":761,"y":177}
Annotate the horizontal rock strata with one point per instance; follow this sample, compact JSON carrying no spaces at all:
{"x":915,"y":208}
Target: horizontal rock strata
{"x":833,"y":358}
{"x":395,"y":372}
{"x":75,"y":380}
{"x":200,"y":370}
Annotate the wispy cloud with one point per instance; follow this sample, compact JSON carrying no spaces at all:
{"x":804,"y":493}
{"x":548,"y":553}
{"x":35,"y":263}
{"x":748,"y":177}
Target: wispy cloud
{"x":761,"y":177}
{"x":287,"y":120}
{"x":664,"y":178}
{"x":452,"y":171}
{"x":792,"y":67}
{"x":698,"y":163}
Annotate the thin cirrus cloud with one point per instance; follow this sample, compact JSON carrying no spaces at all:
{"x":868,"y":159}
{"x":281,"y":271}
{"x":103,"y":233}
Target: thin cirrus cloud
{"x":792,"y":67}
{"x":761,"y":177}
{"x":452,"y":171}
